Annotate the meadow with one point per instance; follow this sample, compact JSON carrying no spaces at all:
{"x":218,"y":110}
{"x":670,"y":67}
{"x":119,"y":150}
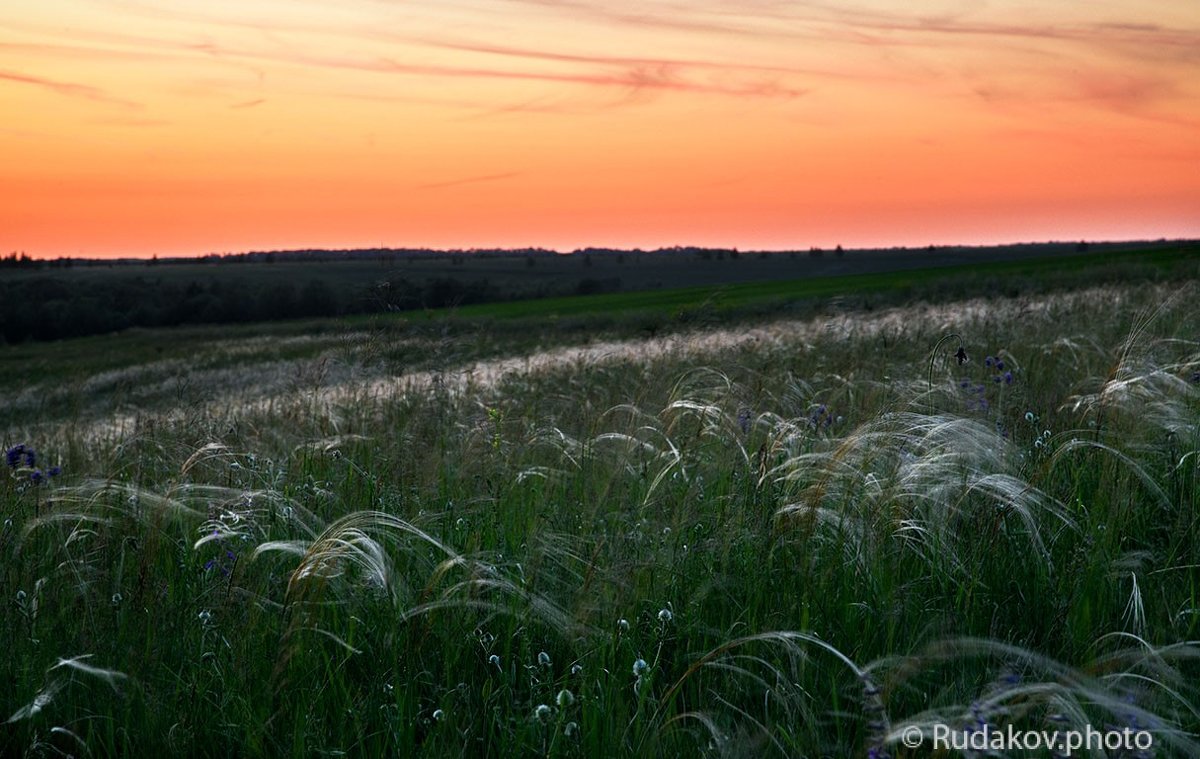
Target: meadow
{"x":790,"y":522}
{"x":67,"y":298}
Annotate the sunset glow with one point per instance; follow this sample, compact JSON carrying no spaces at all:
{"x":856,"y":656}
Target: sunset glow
{"x":186,"y":127}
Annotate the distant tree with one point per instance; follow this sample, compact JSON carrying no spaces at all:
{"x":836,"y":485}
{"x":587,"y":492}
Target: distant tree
{"x":839,"y":252}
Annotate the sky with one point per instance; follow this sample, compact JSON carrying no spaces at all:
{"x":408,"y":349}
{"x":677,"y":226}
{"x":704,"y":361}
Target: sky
{"x":182,"y":127}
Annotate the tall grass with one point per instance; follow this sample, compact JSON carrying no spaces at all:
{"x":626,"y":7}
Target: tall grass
{"x":798,"y":544}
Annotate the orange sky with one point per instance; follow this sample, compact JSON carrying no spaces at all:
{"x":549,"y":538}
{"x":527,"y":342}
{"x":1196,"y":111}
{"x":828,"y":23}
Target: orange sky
{"x":186,"y":127}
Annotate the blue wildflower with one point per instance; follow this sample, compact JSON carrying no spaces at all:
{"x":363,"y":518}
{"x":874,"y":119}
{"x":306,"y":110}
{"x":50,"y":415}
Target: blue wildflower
{"x":36,"y":477}
{"x":744,"y":420}
{"x":989,"y":362}
{"x":54,"y":471}
{"x":817,"y":414}
{"x":999,"y":365}
{"x":13,"y":455}
{"x":1008,"y":378}
{"x":226,"y":563}
{"x":30,"y":457}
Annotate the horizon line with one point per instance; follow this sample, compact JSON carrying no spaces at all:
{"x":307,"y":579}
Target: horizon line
{"x":588,"y":249}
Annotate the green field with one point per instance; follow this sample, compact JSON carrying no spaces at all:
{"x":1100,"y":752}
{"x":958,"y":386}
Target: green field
{"x":42,"y":301}
{"x":1013,"y":275}
{"x":741,"y":520}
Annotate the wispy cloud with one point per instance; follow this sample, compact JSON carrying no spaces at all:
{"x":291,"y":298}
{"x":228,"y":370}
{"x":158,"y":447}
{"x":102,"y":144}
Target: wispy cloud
{"x":68,"y":89}
{"x":132,"y":122}
{"x":715,"y":64}
{"x":633,"y":77}
{"x":468,"y":180}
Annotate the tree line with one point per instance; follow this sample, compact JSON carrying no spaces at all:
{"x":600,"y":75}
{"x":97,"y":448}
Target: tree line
{"x":52,"y":308}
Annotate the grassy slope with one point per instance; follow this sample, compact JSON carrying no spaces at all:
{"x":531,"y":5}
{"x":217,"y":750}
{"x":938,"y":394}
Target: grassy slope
{"x":439,"y":338}
{"x":569,"y":502}
{"x":749,"y":294}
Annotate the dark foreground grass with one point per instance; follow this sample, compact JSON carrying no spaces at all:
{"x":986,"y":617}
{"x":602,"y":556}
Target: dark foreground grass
{"x":799,"y":547}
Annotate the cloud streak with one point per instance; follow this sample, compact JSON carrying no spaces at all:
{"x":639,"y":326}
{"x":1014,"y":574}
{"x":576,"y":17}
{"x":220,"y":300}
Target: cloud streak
{"x":468,"y":180}
{"x":67,"y":89}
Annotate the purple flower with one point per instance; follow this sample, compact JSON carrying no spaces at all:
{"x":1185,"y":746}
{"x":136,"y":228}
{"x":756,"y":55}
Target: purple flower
{"x":13,"y":455}
{"x":744,"y":420}
{"x":989,"y":361}
{"x":54,"y":471}
{"x":815,"y":417}
{"x":224,"y":564}
{"x":1008,"y":378}
{"x":36,"y":477}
